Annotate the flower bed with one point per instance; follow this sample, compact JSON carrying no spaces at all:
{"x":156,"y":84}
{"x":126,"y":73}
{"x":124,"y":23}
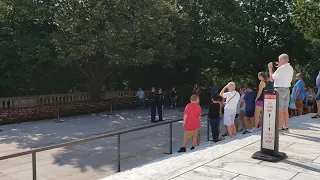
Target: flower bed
{"x":50,"y":112}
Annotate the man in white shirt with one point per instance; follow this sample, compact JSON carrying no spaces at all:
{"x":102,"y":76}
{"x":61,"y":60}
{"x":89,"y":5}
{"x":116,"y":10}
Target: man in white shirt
{"x":282,"y":79}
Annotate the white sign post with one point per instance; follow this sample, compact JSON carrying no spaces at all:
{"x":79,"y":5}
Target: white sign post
{"x":270,"y":134}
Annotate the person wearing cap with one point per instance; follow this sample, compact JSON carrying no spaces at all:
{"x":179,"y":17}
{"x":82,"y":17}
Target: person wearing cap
{"x":282,"y":79}
{"x":153,"y":104}
{"x":160,"y":104}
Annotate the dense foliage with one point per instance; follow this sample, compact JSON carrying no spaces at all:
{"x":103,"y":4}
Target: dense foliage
{"x":58,"y":46}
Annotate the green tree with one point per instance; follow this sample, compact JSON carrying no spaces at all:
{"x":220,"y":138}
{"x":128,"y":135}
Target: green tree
{"x":217,"y":33}
{"x":101,"y":37}
{"x":306,"y":16}
{"x":24,"y":45}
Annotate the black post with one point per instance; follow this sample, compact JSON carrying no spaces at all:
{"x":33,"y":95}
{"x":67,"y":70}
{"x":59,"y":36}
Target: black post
{"x":269,"y":149}
{"x":170,"y":144}
{"x":58,"y":113}
{"x":111,"y":107}
{"x":208,"y":129}
{"x":118,"y":153}
{"x":18,"y":113}
{"x":34,"y":166}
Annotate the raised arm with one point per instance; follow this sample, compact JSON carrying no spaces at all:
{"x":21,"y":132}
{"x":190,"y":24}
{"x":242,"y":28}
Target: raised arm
{"x":223,"y":90}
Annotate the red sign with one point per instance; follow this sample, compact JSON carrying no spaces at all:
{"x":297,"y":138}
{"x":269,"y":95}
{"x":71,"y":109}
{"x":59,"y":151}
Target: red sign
{"x":270,"y":96}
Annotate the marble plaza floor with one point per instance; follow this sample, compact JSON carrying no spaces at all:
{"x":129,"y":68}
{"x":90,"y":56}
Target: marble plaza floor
{"x":231,"y":159}
{"x":92,"y":160}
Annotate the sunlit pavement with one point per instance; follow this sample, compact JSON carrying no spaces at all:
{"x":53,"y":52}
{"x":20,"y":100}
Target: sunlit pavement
{"x":231,"y":159}
{"x":92,"y":160}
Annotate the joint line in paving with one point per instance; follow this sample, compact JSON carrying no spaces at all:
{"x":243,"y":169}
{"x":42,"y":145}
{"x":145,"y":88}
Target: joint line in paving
{"x":215,"y":159}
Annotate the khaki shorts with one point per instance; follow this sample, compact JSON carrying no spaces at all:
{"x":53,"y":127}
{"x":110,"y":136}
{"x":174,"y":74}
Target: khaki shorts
{"x":191,"y":134}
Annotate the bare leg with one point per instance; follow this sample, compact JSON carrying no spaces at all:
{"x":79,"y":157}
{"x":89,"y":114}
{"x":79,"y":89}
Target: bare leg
{"x":257,"y":113}
{"x":236,"y":125}
{"x":229,"y":128}
{"x":198,"y":140}
{"x":194,"y":141}
{"x":280,"y":119}
{"x":252,"y":122}
{"x":286,"y":118}
{"x":185,"y":143}
{"x":246,"y":122}
{"x":234,"y":130}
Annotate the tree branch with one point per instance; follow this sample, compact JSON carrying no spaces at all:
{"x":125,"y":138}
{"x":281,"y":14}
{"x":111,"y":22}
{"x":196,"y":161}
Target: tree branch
{"x":80,"y":68}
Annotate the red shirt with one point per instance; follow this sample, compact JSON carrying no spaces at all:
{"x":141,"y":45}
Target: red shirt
{"x":193,"y":112}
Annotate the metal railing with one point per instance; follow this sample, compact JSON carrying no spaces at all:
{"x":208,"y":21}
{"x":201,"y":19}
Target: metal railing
{"x":97,"y":137}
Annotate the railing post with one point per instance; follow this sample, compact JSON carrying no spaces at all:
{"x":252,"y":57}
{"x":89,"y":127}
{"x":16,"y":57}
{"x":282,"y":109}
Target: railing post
{"x":58,"y":113}
{"x":34,"y":166}
{"x":118,"y":153}
{"x":111,"y":107}
{"x":170,"y":144}
{"x":208,"y":129}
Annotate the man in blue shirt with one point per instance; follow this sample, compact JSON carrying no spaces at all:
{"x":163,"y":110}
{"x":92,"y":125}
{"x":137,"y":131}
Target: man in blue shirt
{"x":298,"y":93}
{"x":249,"y":101}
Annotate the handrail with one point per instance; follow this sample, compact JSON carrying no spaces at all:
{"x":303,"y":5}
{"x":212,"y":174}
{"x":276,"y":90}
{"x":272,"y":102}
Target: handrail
{"x":111,"y":134}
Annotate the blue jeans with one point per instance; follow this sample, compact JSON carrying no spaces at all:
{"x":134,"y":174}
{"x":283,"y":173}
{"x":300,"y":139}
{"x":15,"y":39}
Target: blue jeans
{"x":141,"y":102}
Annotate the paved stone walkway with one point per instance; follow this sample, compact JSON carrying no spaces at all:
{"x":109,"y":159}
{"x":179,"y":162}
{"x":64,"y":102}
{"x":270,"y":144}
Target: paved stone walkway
{"x":231,"y":159}
{"x":89,"y":161}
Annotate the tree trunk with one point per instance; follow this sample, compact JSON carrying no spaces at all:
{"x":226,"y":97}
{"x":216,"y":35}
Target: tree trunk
{"x":96,"y":89}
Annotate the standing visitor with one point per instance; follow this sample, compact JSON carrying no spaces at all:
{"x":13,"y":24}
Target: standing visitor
{"x":282,"y":79}
{"x":191,"y":123}
{"x":140,"y":95}
{"x":214,"y":117}
{"x":305,"y":102}
{"x":196,"y":90}
{"x":292,"y":108}
{"x":230,"y":108}
{"x":174,"y":97}
{"x":242,"y":109}
{"x":298,"y":94}
{"x":160,"y":104}
{"x":310,"y":100}
{"x":262,"y":76}
{"x":237,"y":118}
{"x":249,"y":102}
{"x":318,"y":97}
{"x":214,"y":90}
{"x":153,"y":104}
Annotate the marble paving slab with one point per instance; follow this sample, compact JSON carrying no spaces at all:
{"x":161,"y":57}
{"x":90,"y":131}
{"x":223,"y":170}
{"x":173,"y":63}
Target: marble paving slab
{"x":303,"y":176}
{"x":207,"y":173}
{"x":232,"y":159}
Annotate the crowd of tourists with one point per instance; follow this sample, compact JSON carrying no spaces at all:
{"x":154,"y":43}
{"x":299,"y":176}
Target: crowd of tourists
{"x":244,"y":106}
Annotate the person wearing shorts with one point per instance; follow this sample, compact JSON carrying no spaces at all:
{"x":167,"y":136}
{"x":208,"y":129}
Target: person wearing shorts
{"x":249,"y":101}
{"x":318,"y":97}
{"x":191,"y":123}
{"x":263,"y":77}
{"x":282,"y":79}
{"x":230,"y":109}
{"x":310,"y":100}
{"x":298,"y":94}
